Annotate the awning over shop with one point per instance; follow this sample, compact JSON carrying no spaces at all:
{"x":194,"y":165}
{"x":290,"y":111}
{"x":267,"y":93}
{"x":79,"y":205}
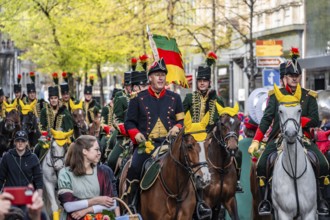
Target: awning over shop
{"x":321,"y":62}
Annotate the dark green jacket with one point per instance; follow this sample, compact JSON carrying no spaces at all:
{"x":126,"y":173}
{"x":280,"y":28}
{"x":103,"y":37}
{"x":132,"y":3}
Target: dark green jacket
{"x":119,"y":110}
{"x":107,"y":115}
{"x":199,"y":106}
{"x":61,"y":121}
{"x":89,"y":110}
{"x":309,"y":110}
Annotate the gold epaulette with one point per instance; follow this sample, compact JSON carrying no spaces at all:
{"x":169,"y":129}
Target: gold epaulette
{"x":312,"y":93}
{"x":133,"y":95}
{"x":271,"y":92}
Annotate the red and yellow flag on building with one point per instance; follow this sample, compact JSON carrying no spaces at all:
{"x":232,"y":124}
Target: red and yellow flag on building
{"x":168,"y":49}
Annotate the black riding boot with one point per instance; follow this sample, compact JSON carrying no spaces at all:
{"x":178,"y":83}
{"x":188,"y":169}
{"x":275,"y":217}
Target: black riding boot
{"x":203,"y":211}
{"x":238,"y":162}
{"x":132,"y":194}
{"x":322,"y":205}
{"x":264,"y":207}
{"x":239,"y":187}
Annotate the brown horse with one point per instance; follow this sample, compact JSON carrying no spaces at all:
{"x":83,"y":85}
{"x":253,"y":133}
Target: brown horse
{"x":8,"y":127}
{"x":172,"y":196}
{"x":221,"y":145}
{"x":255,"y":194}
{"x":80,"y":126}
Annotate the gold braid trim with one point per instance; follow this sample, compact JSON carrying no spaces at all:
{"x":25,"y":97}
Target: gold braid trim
{"x":212,"y":111}
{"x":50,"y":117}
{"x":59,"y":121}
{"x":203,"y":106}
{"x":37,"y":109}
{"x":196,"y":106}
{"x":110,"y":116}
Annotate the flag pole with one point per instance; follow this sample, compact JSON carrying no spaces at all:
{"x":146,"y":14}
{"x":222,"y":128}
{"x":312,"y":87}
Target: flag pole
{"x":152,"y":44}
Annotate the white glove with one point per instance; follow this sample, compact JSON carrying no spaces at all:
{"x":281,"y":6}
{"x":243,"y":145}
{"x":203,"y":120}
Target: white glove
{"x":174,"y":131}
{"x":139,"y":137}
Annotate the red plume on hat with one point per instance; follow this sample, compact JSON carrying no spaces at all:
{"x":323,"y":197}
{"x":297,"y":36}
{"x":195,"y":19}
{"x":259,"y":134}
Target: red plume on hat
{"x":211,"y":58}
{"x":144,"y":60}
{"x":91,"y":80}
{"x":65,"y":76}
{"x":19,"y":77}
{"x":55,"y":78}
{"x":32,"y":76}
{"x":133,"y":63}
{"x":294,"y":53}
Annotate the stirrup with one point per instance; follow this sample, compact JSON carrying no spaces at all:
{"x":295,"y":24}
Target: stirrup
{"x":239,"y":188}
{"x":264,"y":212}
{"x":206,"y":209}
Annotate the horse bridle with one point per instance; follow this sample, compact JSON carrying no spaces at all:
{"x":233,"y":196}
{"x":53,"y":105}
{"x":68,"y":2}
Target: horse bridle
{"x":187,"y":166}
{"x":29,"y":124}
{"x":55,"y":158}
{"x":222,"y":141}
{"x":294,"y":170}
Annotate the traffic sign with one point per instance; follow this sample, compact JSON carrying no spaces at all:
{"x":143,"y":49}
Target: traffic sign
{"x":263,"y":62}
{"x":269,"y":48}
{"x":270,"y":76}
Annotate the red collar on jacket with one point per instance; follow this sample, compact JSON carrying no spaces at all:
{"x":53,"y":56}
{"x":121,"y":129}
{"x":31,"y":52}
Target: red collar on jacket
{"x":287,"y":88}
{"x":154,"y":94}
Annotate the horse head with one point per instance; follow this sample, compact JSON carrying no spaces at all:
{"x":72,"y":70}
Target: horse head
{"x":289,"y":111}
{"x":29,"y":122}
{"x":28,"y":118}
{"x":196,"y":132}
{"x":226,"y":129}
{"x":12,"y":119}
{"x":79,"y":116}
{"x":58,"y":148}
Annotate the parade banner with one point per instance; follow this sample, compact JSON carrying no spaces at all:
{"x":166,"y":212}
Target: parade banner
{"x":167,"y":49}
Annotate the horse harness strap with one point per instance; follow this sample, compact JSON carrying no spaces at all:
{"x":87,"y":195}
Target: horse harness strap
{"x":294,"y":177}
{"x":222,"y":170}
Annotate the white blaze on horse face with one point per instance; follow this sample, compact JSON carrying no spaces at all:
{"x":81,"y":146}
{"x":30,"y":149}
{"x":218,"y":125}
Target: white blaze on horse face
{"x":231,"y":121}
{"x":288,"y":117}
{"x":204,"y":169}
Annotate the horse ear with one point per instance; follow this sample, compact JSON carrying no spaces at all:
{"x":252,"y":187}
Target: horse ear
{"x":21,"y":103}
{"x":33,"y":103}
{"x":15,"y":103}
{"x":278,"y":93}
{"x":71,"y":104}
{"x":297,"y":94}
{"x":6,"y":104}
{"x":236,"y":108}
{"x":52,"y":131}
{"x":219,"y":108}
{"x":69,"y":133}
{"x":187,"y":120}
{"x":80,"y":105}
{"x":205,"y":120}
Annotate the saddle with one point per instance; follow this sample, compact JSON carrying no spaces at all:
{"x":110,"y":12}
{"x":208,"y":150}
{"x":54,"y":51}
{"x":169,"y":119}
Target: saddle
{"x":152,"y":167}
{"x":273,"y":157}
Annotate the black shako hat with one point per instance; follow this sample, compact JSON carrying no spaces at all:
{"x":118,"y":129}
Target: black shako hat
{"x":64,"y":88}
{"x":139,"y":78}
{"x":53,"y":91}
{"x":88,"y":89}
{"x":127,"y":78}
{"x":204,"y":72}
{"x":17,"y":88}
{"x":158,"y":66}
{"x":30,"y":87}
